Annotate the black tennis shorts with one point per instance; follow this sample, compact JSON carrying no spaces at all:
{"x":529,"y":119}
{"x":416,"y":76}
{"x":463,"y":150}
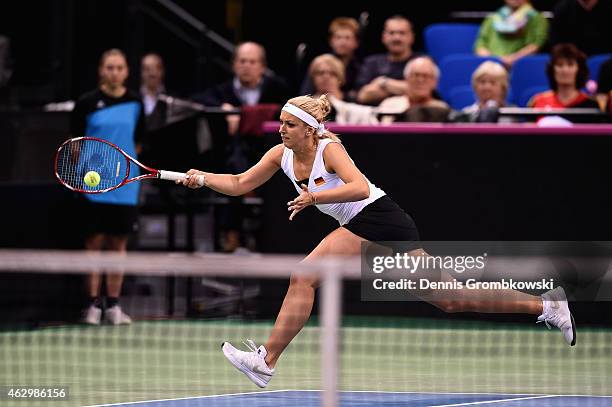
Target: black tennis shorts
{"x":109,"y":219}
{"x":383,"y":221}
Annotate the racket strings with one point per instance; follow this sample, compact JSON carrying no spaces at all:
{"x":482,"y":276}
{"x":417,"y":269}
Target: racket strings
{"x":79,"y":157}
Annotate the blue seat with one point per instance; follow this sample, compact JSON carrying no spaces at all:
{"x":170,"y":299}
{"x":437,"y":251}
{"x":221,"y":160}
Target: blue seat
{"x":456,"y":70}
{"x":528,"y":72}
{"x":461,"y":96}
{"x":594,"y":62}
{"x":445,"y":39}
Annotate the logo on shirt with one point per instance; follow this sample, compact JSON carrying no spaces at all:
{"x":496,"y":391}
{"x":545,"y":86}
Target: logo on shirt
{"x":319,"y":181}
{"x":100,"y":104}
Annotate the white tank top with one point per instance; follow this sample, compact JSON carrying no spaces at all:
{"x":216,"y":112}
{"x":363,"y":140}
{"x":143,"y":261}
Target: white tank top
{"x":321,"y":180}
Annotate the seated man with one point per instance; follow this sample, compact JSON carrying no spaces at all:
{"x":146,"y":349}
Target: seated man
{"x":249,"y":86}
{"x":381,"y":75}
{"x":418,"y":103}
{"x":254,"y":91}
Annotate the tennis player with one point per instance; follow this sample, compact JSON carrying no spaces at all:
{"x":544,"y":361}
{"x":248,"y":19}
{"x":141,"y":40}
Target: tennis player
{"x":325,"y":176}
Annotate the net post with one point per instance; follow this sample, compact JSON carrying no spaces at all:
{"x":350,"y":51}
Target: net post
{"x":330,"y":321}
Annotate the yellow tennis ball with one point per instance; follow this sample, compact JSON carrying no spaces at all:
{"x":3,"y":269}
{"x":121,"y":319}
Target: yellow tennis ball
{"x":92,"y":179}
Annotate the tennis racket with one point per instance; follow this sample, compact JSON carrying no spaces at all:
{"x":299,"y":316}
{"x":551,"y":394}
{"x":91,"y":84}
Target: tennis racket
{"x":79,"y":156}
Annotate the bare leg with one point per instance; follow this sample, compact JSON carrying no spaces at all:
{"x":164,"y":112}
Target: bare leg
{"x":94,"y":243}
{"x":299,"y":299}
{"x":114,"y":281}
{"x":483,"y":301}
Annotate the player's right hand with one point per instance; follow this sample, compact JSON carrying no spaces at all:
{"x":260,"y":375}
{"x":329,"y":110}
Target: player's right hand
{"x":193,"y":179}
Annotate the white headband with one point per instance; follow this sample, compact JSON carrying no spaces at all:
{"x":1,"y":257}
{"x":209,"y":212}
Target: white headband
{"x":305,"y":117}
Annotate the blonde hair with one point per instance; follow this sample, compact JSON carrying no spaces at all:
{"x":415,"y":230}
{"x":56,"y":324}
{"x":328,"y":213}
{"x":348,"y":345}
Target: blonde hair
{"x":328,"y":60}
{"x":494,"y":69}
{"x":318,"y":108}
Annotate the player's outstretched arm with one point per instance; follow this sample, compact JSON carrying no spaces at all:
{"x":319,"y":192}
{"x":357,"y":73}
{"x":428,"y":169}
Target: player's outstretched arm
{"x":240,"y":184}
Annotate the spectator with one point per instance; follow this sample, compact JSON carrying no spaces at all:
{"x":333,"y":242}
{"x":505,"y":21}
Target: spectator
{"x":490,"y":83}
{"x":604,"y":83}
{"x":418,"y":103}
{"x":250,"y":88}
{"x":584,"y":23}
{"x":512,"y":32}
{"x":343,"y":42}
{"x":114,"y":113}
{"x":161,"y":111}
{"x":381,"y":75}
{"x":152,"y":85}
{"x":567,"y":73}
{"x":326,"y":72}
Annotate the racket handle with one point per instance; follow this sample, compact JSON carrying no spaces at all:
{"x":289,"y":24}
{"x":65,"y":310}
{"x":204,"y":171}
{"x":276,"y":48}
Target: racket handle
{"x":178,"y":176}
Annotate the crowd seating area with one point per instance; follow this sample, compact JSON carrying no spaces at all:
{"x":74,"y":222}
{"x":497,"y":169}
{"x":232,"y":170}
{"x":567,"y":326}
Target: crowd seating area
{"x":451,"y":46}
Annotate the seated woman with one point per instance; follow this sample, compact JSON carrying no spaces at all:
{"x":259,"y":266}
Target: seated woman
{"x":327,"y":74}
{"x":490,"y":84}
{"x":567,"y":74}
{"x":512,"y":32}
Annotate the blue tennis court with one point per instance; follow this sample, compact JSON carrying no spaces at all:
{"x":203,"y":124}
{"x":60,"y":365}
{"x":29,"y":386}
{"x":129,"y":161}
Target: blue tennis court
{"x":312,"y":398}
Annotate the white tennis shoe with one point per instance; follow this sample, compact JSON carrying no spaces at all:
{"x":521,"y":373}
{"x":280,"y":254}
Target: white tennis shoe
{"x":116,"y":316}
{"x":556,"y":312}
{"x":92,"y":316}
{"x":251,"y":363}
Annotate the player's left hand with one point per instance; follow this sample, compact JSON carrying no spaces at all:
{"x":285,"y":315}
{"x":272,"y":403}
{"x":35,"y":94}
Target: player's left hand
{"x":302,"y":201}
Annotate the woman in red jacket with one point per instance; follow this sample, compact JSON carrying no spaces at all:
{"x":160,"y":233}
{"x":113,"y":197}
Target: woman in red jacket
{"x":567,"y":73}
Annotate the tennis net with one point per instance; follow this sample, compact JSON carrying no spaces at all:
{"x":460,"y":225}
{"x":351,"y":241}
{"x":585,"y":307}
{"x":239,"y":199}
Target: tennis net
{"x":351,"y":352}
